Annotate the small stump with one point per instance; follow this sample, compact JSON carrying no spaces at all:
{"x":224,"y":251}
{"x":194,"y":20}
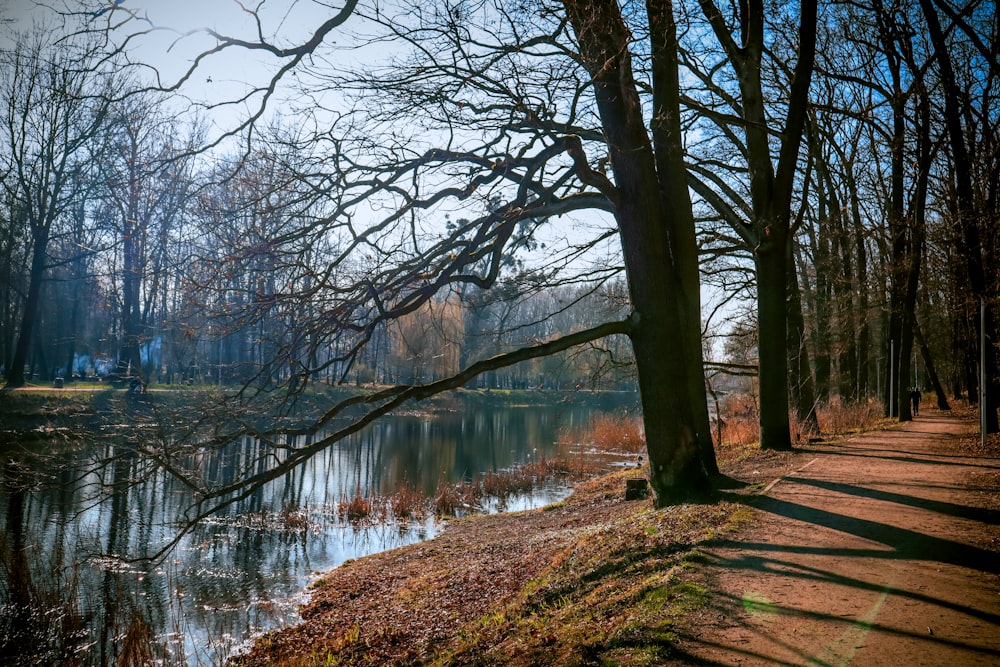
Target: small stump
{"x":58,"y":383}
{"x":636,"y":489}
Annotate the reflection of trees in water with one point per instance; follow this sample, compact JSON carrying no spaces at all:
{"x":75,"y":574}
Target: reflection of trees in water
{"x":79,"y":524}
{"x":39,"y":622}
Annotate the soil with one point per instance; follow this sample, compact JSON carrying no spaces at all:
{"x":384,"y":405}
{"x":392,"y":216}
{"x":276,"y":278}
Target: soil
{"x":882,"y":549}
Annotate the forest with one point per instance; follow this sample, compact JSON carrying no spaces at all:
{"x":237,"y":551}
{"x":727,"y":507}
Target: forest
{"x":413,"y":197}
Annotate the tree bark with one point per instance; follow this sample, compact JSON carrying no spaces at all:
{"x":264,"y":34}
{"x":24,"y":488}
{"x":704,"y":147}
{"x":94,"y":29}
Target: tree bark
{"x":772,"y":277}
{"x":32,"y":303}
{"x":800,"y":382}
{"x":667,"y":135}
{"x":661,"y":337}
{"x":925,"y":354}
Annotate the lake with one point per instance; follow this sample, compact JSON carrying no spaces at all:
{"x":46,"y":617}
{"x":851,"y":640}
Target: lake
{"x":76,"y":542}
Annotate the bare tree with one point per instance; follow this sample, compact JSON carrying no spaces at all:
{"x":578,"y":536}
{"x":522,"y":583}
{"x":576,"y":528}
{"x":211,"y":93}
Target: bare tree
{"x":514,"y":116}
{"x":765,"y":147}
{"x":52,"y":107}
{"x":974,"y":211}
{"x":145,"y":172}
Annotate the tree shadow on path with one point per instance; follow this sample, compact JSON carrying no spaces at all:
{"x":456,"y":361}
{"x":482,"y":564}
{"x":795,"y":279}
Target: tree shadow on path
{"x":879,"y":543}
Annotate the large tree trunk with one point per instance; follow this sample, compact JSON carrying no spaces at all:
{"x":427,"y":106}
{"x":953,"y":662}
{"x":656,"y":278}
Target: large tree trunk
{"x":668,"y":148}
{"x":661,"y":337}
{"x":772,"y":276}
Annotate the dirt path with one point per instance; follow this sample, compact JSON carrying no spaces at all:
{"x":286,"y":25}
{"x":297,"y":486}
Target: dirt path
{"x":881,"y":550}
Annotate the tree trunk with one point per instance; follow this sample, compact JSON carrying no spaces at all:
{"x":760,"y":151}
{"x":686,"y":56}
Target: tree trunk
{"x":800,"y":382}
{"x":29,"y":319}
{"x":895,"y":406}
{"x":770,"y":189}
{"x":845,"y":289}
{"x":971,"y":248}
{"x":129,"y":357}
{"x":821,"y":296}
{"x":772,"y":276}
{"x":661,"y":336}
{"x":668,"y":151}
{"x":925,"y":353}
{"x":865,"y":379}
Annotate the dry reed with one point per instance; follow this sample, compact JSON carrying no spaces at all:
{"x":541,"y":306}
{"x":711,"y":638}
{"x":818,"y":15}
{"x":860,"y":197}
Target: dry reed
{"x":356,"y":509}
{"x":137,"y":645}
{"x":840,"y":418}
{"x":407,"y":503}
{"x":611,"y":432}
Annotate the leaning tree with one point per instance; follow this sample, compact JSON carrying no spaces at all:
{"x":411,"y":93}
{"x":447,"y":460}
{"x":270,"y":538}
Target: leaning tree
{"x":542,"y":122}
{"x":532,"y":123}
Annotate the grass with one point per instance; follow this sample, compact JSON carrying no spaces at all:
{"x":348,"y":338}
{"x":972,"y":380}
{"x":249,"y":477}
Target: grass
{"x":613,"y":596}
{"x":838,"y":418}
{"x":609,"y":432}
{"x":614,"y":591}
{"x":740,"y":429}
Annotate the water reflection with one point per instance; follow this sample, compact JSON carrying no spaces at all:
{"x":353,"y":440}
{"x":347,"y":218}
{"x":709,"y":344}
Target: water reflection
{"x":75,"y":539}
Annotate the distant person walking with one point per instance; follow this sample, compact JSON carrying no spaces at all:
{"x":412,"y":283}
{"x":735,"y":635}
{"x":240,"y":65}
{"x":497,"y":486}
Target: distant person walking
{"x":915,"y":401}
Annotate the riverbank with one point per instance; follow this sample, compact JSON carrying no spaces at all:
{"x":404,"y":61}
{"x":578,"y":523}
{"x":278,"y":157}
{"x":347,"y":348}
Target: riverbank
{"x":592,"y":578}
{"x":598,"y":580}
{"x":81,"y":511}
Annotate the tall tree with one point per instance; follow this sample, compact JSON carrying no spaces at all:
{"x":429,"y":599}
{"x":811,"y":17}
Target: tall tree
{"x":52,"y":108}
{"x":762,"y":218}
{"x":972,"y":220}
{"x":145,"y":169}
{"x":517,"y":115}
{"x":657,"y":234}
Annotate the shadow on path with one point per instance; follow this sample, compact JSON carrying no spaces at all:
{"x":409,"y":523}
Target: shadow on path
{"x":841,"y":571}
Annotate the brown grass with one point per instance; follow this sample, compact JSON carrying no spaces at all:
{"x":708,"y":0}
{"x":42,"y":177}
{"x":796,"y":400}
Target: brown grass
{"x":407,"y":503}
{"x":466,"y":497}
{"x":356,"y":509}
{"x":836,"y":418}
{"x":611,"y":432}
{"x":449,"y":499}
{"x":137,"y":645}
{"x":295,"y":519}
{"x":741,"y":431}
{"x":621,"y":433}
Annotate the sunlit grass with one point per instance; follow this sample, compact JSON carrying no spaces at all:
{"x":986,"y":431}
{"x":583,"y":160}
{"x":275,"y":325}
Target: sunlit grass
{"x":837,"y":418}
{"x":609,"y":432}
{"x":615,"y":595}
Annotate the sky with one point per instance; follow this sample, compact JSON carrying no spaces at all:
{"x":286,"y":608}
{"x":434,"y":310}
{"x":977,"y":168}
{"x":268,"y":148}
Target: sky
{"x":176,"y":34}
